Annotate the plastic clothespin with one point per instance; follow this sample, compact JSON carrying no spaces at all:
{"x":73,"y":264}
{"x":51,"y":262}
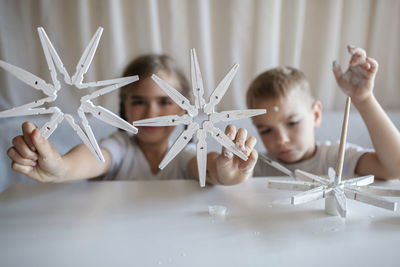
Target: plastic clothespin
{"x":193,"y":111}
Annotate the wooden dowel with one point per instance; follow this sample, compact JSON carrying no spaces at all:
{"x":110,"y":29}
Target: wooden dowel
{"x":342,"y":145}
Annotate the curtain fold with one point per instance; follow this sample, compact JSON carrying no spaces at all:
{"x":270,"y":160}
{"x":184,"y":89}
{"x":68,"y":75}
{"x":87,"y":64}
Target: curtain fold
{"x":257,"y":34}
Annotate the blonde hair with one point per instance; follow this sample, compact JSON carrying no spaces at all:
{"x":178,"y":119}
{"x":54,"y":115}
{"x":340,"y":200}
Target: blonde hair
{"x":277,"y":82}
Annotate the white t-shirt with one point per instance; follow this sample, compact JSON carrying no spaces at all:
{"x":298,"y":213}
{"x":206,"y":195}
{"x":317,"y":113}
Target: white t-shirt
{"x":325,"y":157}
{"x":129,"y":162}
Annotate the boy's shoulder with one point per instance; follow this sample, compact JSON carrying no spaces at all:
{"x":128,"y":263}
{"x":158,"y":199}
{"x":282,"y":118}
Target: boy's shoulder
{"x":331,"y":147}
{"x":328,"y":150}
{"x":326,"y":156}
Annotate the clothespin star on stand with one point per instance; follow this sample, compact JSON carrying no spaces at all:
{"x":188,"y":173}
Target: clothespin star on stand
{"x":50,"y":90}
{"x":193,"y":112}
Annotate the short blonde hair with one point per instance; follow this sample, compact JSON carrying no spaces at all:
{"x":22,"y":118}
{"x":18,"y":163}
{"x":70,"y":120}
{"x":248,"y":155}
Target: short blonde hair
{"x":277,"y":82}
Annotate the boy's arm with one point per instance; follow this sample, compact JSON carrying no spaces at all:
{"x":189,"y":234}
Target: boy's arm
{"x":35,"y":157}
{"x":226,"y":168}
{"x":358,"y":83}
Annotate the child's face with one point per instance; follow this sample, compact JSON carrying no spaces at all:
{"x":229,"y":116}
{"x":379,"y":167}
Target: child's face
{"x":148,"y":100}
{"x":287,"y":129}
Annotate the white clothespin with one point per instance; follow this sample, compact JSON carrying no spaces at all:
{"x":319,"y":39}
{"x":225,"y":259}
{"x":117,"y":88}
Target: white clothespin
{"x":54,"y":63}
{"x":276,"y":165}
{"x":200,"y":106}
{"x":335,"y":190}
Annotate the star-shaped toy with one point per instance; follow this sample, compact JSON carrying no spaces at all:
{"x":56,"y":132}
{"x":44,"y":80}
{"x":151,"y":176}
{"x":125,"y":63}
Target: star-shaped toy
{"x":198,"y":110}
{"x":334,"y":190}
{"x":50,"y":90}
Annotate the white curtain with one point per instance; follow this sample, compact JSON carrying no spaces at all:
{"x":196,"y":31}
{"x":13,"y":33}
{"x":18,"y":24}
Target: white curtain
{"x":257,"y":34}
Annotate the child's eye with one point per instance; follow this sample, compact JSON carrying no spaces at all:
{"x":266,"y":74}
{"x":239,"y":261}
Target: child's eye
{"x":165,"y":101}
{"x":293,"y":123}
{"x":265,"y":131}
{"x":137,"y":102}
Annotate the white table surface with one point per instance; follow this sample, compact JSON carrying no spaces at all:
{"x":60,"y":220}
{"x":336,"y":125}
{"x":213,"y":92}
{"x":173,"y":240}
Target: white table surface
{"x":166,"y":223}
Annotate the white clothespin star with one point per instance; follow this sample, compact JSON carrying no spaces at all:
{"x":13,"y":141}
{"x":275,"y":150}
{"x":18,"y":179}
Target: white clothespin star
{"x":54,"y":63}
{"x":193,"y":111}
{"x":335,"y":190}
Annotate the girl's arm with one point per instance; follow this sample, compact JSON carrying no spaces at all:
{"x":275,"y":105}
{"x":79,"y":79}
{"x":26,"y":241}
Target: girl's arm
{"x":358,"y":83}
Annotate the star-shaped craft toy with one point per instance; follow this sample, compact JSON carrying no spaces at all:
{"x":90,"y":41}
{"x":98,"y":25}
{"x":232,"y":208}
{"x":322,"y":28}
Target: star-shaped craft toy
{"x":50,"y":90}
{"x":198,"y":110}
{"x":334,"y":190}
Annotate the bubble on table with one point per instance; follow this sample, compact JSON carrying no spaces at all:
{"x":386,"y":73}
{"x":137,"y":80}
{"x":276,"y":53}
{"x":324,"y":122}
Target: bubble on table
{"x":217,"y":210}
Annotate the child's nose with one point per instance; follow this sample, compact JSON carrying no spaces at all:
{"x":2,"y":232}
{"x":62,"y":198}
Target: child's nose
{"x":152,"y":110}
{"x":282,"y":137}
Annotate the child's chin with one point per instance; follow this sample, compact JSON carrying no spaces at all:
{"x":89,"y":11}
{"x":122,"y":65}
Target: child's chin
{"x":290,"y":159}
{"x":152,"y":137}
{"x":149,"y":129}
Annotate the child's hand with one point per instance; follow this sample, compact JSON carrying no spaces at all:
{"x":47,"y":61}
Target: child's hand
{"x":358,"y":81}
{"x":229,"y":166}
{"x":34,"y":156}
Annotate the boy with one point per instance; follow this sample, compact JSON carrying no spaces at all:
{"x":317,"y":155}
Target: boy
{"x":287,"y":130}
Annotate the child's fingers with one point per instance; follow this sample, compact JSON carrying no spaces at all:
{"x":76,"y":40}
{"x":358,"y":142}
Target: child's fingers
{"x":373,"y":65}
{"x":250,"y":144}
{"x":44,"y":148}
{"x":23,"y":169}
{"x":27,"y":129}
{"x":13,"y":154}
{"x":240,"y":139}
{"x":248,"y":166}
{"x":365,"y":69}
{"x":365,"y":65}
{"x":351,"y":48}
{"x":356,"y":59}
{"x":358,"y":55}
{"x":361,"y":70}
{"x":22,"y":148}
{"x":337,"y":70}
{"x":230,"y":131}
{"x":27,"y":170}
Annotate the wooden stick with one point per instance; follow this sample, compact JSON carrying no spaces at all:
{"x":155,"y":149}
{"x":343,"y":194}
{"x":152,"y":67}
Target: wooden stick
{"x":339,"y":164}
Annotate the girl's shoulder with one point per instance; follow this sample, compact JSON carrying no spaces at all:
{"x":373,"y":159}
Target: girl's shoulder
{"x":120,"y":137}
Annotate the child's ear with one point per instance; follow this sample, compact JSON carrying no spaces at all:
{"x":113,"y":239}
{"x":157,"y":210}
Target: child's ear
{"x":317,"y":112}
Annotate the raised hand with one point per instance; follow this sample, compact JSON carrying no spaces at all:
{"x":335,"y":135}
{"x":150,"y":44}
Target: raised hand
{"x":358,"y":80}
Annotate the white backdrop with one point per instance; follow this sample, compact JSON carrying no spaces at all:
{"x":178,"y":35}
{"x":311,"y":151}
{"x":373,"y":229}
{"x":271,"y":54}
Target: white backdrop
{"x":308,"y":34}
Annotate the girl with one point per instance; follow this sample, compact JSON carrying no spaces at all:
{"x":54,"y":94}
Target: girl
{"x":134,"y":157}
